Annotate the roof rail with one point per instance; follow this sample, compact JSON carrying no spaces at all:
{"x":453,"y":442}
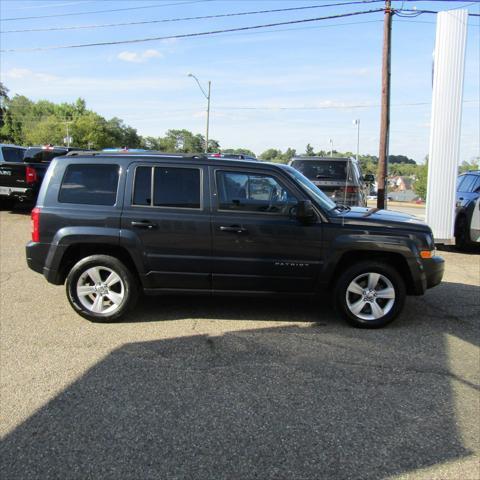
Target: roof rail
{"x":151,"y":153}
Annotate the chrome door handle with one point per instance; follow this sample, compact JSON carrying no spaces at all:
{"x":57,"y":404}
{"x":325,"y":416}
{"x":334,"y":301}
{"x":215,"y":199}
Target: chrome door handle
{"x":234,"y":229}
{"x":144,"y":224}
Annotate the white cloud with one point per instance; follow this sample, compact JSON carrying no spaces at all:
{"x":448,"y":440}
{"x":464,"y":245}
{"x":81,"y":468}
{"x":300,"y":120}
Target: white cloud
{"x":25,"y":73}
{"x":18,"y":73}
{"x":139,"y":57}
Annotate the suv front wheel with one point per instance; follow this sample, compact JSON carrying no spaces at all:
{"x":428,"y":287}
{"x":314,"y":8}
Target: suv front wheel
{"x":370,"y":294}
{"x":100,"y":288}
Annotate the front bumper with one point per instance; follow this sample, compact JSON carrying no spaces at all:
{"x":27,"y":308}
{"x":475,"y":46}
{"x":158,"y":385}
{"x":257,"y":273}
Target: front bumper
{"x":433,"y":268}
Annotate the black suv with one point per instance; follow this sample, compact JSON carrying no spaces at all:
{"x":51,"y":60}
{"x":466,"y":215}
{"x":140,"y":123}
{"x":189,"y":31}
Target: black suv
{"x":112,"y":225}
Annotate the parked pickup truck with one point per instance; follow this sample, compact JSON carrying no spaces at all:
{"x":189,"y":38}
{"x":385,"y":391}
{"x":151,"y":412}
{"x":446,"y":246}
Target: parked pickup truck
{"x":22,"y":171}
{"x":111,"y":225}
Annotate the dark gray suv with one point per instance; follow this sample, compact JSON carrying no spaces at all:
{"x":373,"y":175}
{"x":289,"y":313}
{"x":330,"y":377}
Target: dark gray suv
{"x":111,"y":226}
{"x":339,"y":178}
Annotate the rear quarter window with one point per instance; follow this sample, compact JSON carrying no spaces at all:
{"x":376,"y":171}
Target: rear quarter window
{"x":90,"y":185}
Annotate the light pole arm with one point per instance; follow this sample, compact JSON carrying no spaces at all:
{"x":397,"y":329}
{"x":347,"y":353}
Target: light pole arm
{"x":199,"y":85}
{"x":207,"y":96}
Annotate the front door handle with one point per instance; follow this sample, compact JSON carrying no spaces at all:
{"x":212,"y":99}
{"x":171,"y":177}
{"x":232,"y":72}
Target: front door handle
{"x":144,"y":224}
{"x":234,"y":229}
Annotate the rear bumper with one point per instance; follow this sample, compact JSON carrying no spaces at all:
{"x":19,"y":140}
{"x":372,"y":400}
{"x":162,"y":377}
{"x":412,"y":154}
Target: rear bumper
{"x":434,"y":268}
{"x":36,"y":255}
{"x":17,"y":192}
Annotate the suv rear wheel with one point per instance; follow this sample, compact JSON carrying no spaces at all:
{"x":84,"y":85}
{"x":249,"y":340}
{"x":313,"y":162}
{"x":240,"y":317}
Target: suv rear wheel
{"x":370,"y":294}
{"x":100,"y":288}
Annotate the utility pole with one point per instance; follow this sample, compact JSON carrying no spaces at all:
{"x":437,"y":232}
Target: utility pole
{"x":385,"y":113}
{"x":208,"y":116}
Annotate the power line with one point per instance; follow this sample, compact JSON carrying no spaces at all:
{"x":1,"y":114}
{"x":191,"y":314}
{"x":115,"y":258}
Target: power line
{"x":259,"y":108}
{"x":103,"y":11}
{"x":203,"y":17}
{"x":188,"y":35}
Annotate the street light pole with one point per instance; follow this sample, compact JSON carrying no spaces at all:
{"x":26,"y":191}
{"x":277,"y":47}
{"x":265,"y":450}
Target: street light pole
{"x":357,"y":123}
{"x":207,"y":96}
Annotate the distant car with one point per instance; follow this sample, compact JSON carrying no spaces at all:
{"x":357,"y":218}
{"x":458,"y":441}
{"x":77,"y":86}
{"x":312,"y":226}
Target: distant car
{"x":466,"y":212}
{"x":233,"y":156}
{"x":22,"y":171}
{"x":339,"y":178}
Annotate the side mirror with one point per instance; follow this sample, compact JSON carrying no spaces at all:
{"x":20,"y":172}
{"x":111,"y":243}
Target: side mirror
{"x":305,"y":212}
{"x":369,"y":178}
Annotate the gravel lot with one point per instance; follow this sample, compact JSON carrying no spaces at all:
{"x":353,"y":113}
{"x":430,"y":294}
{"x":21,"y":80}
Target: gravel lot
{"x":201,"y":388}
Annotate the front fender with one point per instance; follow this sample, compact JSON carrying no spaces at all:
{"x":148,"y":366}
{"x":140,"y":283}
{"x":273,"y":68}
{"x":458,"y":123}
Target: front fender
{"x":364,"y":244}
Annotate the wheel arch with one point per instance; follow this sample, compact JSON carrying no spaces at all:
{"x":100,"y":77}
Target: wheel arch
{"x":397,"y":260}
{"x":76,"y":252}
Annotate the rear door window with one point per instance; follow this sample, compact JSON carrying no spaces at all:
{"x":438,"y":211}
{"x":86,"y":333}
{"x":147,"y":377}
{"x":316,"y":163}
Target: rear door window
{"x":90,"y":184}
{"x":173,"y":187}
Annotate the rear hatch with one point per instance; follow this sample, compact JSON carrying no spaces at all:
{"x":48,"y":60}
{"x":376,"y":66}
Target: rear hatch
{"x":12,"y":169}
{"x":334,"y":177}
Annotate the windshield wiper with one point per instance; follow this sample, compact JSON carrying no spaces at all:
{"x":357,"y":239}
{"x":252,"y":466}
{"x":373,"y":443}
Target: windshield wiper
{"x":325,"y":176}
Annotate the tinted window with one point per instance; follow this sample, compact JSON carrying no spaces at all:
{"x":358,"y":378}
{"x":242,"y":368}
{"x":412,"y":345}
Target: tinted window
{"x":476,"y":184}
{"x":142,"y":193}
{"x":250,"y":192}
{"x":12,"y":154}
{"x":89,"y":184}
{"x":176,"y":187}
{"x":38,"y":155}
{"x":323,"y":169}
{"x":467,"y":183}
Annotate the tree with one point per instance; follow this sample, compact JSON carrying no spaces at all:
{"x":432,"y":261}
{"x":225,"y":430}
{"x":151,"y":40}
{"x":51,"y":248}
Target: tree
{"x":270,"y":155}
{"x":47,"y":130}
{"x":238,"y":151}
{"x":309,"y":150}
{"x":420,"y":185}
{"x":3,"y":100}
{"x":466,"y":166}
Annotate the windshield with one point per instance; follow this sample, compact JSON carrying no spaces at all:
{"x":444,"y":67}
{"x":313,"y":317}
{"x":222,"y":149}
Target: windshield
{"x":323,"y":169}
{"x":313,"y":190}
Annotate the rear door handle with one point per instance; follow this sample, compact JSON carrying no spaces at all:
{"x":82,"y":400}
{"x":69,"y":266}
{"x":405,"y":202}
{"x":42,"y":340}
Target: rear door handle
{"x":144,"y":224}
{"x":234,"y":229}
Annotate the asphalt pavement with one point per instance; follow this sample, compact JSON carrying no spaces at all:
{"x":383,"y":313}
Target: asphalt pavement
{"x":222,"y":388}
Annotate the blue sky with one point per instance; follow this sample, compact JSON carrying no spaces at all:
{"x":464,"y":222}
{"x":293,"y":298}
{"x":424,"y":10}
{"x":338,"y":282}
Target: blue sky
{"x":307,"y":82}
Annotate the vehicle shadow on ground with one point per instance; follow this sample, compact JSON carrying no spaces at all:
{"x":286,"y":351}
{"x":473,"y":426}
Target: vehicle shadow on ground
{"x":304,"y":401}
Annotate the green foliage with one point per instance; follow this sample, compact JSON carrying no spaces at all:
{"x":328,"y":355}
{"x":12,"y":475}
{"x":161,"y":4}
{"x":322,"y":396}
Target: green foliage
{"x":309,"y":150}
{"x":420,"y":185}
{"x":277,"y":156}
{"x":474,"y":164}
{"x":32,"y":123}
{"x":238,"y":151}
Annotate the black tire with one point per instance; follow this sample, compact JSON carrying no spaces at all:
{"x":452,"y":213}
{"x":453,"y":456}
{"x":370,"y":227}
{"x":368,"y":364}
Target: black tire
{"x":126,"y":287}
{"x":360,"y":271}
{"x":6,"y":203}
{"x":462,"y":234}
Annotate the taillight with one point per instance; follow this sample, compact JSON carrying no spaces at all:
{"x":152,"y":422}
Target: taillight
{"x":30,"y":175}
{"x":349,"y":189}
{"x":35,"y":224}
